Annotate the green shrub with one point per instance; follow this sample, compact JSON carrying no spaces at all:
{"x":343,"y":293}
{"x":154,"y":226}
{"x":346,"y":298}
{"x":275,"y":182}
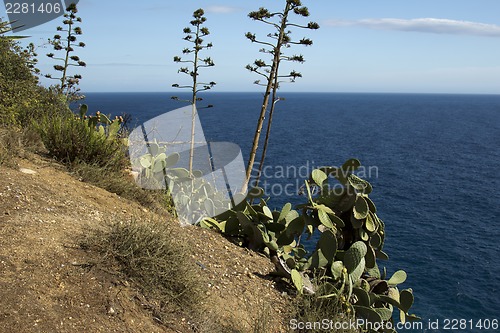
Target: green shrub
{"x":43,"y":102}
{"x":17,"y":83}
{"x":22,"y":99}
{"x":70,"y":140}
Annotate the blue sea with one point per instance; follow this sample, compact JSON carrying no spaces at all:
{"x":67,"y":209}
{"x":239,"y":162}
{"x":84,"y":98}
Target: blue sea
{"x":433,"y":160}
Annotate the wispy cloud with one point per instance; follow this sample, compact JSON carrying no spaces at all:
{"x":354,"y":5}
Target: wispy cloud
{"x":157,"y":8}
{"x":429,"y":25}
{"x":124,"y":64}
{"x":221,"y":9}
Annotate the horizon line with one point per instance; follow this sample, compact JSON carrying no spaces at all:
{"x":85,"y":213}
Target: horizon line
{"x":293,"y":92}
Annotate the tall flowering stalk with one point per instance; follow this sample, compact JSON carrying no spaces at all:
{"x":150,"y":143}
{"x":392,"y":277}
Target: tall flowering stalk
{"x":195,"y":37}
{"x":66,"y":45}
{"x":278,"y":40}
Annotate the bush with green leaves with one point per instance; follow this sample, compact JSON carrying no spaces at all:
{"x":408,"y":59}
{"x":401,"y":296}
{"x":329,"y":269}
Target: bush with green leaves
{"x":93,"y":140}
{"x":22,"y":99}
{"x":16,"y":81}
{"x":350,"y":242}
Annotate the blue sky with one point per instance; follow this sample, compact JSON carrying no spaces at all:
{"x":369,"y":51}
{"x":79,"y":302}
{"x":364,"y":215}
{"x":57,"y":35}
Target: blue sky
{"x":420,"y":46}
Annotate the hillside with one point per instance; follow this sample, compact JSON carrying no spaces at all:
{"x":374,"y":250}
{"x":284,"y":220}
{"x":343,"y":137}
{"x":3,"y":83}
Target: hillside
{"x":49,"y":283}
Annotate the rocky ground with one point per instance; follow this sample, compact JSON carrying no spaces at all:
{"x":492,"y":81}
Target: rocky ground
{"x":47,"y":284}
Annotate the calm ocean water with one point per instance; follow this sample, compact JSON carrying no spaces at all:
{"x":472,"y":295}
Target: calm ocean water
{"x":434,"y":162}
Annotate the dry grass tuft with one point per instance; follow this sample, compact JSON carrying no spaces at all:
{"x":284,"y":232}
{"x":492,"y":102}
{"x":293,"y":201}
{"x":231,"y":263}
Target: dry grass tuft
{"x":146,"y":254}
{"x":122,"y":184}
{"x":314,"y":309}
{"x":17,"y":143}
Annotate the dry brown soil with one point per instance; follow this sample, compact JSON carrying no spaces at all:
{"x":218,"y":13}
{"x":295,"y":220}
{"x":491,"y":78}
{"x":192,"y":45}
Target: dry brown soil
{"x":47,"y":286}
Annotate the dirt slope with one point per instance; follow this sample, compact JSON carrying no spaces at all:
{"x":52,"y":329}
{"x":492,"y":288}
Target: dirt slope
{"x":47,"y":286}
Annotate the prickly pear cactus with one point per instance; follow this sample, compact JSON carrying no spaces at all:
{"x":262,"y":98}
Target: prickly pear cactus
{"x":350,"y":243}
{"x":106,"y":128}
